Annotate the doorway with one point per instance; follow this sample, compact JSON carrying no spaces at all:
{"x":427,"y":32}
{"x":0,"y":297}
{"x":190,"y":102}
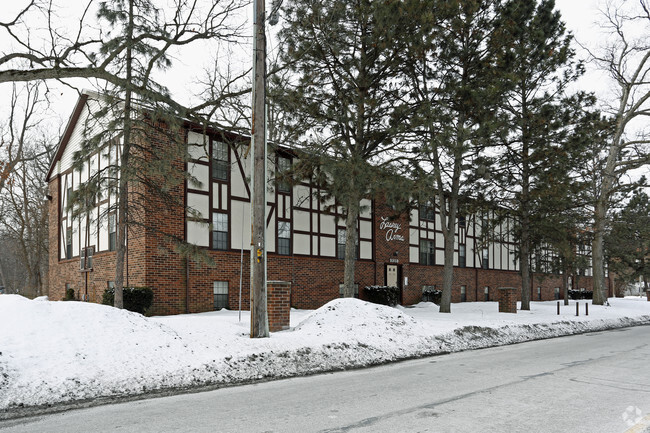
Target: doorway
{"x":393,"y":277}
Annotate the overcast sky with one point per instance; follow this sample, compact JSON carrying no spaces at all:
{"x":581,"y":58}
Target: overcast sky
{"x":579,"y":15}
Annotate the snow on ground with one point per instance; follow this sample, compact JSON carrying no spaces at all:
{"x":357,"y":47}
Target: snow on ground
{"x":57,"y":352}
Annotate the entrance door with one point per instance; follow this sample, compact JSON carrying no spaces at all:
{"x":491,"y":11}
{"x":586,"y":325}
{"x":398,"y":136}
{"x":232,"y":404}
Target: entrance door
{"x":391,"y":276}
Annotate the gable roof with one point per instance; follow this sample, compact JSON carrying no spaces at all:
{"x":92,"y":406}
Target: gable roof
{"x":67,"y":133}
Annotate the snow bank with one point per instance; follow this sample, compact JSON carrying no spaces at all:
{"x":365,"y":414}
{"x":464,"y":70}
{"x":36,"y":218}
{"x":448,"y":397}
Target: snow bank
{"x":57,"y":352}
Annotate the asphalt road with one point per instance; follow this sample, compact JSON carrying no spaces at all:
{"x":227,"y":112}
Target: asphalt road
{"x":585,"y":383}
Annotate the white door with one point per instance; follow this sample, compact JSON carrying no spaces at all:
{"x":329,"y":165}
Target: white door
{"x":391,"y":275}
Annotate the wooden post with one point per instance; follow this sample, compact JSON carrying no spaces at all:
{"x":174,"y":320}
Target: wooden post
{"x":259,"y":316}
{"x":558,"y":308}
{"x":577,"y":308}
{"x":586,"y":308}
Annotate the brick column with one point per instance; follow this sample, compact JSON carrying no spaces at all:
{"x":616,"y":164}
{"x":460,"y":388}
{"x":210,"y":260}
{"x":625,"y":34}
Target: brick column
{"x":507,"y":300}
{"x":278,"y":301}
{"x":647,"y":294}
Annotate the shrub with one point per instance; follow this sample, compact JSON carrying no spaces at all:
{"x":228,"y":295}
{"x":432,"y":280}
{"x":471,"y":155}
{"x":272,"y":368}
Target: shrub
{"x":69,"y":295}
{"x":577,"y":294}
{"x":137,"y":299}
{"x":431,"y":295}
{"x":385,"y":295}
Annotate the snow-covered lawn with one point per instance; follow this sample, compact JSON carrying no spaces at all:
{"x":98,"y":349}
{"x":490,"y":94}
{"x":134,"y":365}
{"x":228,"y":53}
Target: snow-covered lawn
{"x":55,"y":352}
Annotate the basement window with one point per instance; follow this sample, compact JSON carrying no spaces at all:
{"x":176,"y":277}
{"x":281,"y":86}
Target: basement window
{"x":220,"y":291}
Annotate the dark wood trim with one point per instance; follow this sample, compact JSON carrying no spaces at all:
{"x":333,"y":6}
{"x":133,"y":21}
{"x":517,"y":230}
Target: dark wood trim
{"x":195,"y":191}
{"x":241,"y":172}
{"x":72,"y":123}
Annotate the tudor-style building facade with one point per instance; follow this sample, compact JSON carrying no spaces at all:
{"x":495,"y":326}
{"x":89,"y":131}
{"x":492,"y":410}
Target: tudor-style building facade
{"x":305,"y":235}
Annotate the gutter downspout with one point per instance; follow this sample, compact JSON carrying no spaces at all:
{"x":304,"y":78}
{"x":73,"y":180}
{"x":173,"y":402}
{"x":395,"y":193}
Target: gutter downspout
{"x":187,"y":285}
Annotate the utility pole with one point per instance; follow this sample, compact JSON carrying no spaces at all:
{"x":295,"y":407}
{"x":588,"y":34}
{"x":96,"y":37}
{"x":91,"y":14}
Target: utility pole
{"x":259,"y":317}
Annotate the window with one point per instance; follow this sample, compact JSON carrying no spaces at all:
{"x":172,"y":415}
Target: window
{"x":485,"y":262}
{"x":461,"y":221}
{"x":356,"y":290}
{"x":427,"y":252}
{"x":110,"y":285}
{"x":427,"y":211}
{"x":219,"y":231}
{"x":539,"y":293}
{"x":112,"y":232}
{"x":284,"y":238}
{"x":68,"y":243}
{"x":86,"y":258}
{"x":557,"y":293}
{"x":220,"y":290}
{"x":486,"y":292}
{"x":283,"y":168}
{"x":463,"y":293}
{"x":462,"y":261}
{"x":340,"y":244}
{"x":220,"y":164}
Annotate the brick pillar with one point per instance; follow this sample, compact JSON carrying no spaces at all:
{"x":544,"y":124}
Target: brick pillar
{"x":278,"y":301}
{"x":647,"y":294}
{"x":507,"y":300}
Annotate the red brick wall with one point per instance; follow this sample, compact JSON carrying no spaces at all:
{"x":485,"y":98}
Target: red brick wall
{"x":186,"y":286}
{"x":507,"y":299}
{"x":391,"y":249}
{"x":89,"y":285}
{"x":278,"y":305}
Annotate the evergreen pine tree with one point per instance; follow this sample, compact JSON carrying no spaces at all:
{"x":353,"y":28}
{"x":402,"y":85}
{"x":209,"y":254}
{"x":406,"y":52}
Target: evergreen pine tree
{"x":457,"y":83}
{"x":348,"y":97}
{"x":127,"y":128}
{"x":538,"y":58}
{"x":628,"y":242}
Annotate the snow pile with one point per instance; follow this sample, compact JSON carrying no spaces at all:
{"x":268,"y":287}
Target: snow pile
{"x":57,"y":352}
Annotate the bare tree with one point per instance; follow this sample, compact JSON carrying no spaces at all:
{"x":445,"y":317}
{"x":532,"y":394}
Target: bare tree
{"x":136,"y":108}
{"x":80,"y":48}
{"x":26,"y":150}
{"x":626,"y":59}
{"x":26,"y":105}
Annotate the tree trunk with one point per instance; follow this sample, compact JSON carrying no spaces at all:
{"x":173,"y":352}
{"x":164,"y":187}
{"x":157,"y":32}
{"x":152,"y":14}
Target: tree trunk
{"x":123,"y":189}
{"x":449,"y":234}
{"x":350,"y":244}
{"x":597,"y":255}
{"x":447,"y":273}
